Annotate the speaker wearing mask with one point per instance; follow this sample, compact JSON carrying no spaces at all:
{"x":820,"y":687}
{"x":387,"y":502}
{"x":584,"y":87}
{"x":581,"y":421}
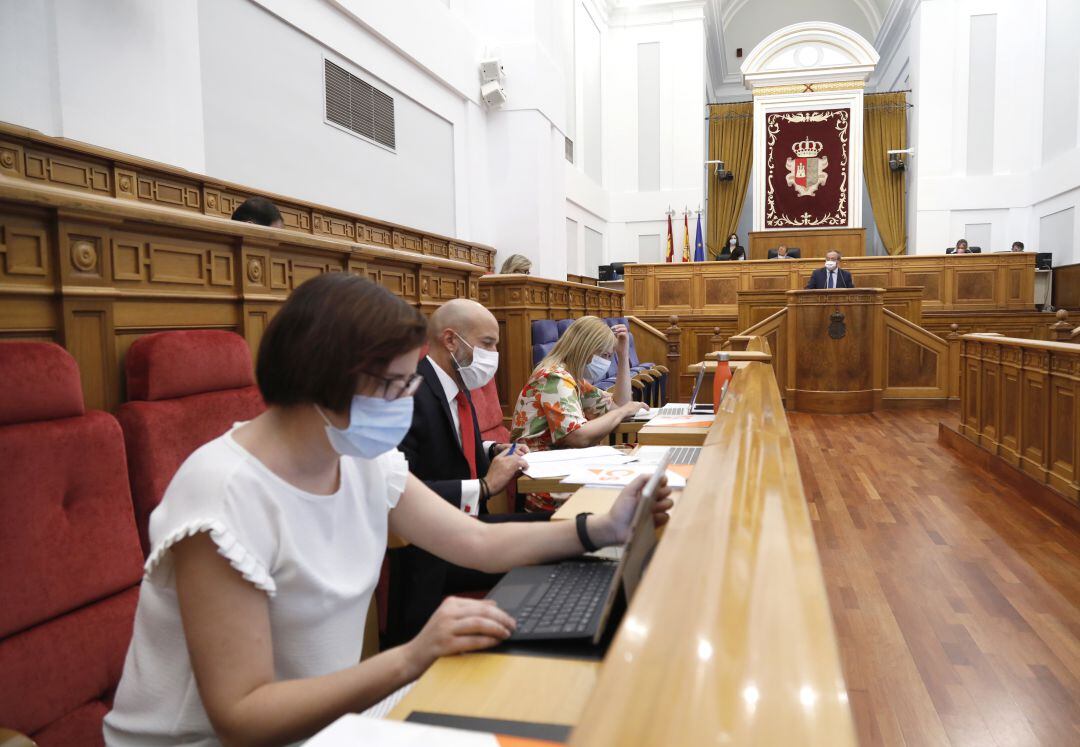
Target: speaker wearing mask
{"x":830,"y":276}
{"x":445,"y":450}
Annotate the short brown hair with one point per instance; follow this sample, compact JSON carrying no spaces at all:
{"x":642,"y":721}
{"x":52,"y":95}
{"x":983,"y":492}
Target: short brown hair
{"x":333,"y":328}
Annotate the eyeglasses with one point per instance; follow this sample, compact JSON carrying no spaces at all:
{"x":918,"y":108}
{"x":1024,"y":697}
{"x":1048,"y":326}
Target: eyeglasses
{"x":396,"y":387}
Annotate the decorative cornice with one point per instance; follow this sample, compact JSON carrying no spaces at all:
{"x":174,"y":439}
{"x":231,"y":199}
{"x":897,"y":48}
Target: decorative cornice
{"x":821,"y":87}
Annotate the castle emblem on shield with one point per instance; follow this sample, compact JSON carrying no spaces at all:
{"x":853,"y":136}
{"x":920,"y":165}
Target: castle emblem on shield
{"x":806,"y":172}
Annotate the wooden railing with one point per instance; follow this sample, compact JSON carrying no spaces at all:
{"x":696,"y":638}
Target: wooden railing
{"x":1020,"y":400}
{"x":94,"y":272}
{"x":729,"y":639}
{"x":28,"y":155}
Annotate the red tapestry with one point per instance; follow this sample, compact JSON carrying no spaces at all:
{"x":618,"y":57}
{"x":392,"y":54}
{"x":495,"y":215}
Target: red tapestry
{"x":806,"y":168}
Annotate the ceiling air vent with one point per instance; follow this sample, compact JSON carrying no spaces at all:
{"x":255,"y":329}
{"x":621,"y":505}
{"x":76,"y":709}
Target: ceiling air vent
{"x":358,"y":106}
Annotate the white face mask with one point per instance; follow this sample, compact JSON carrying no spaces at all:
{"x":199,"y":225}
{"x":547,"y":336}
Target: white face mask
{"x":597,"y":368}
{"x":732,"y":241}
{"x":830,"y":264}
{"x":482,"y":368}
{"x":375,"y":426}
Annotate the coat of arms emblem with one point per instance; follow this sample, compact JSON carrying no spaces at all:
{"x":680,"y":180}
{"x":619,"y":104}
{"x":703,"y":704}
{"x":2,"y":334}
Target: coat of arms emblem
{"x":806,"y":172}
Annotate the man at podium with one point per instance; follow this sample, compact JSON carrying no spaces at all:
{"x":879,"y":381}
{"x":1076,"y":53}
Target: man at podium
{"x":830,"y":276}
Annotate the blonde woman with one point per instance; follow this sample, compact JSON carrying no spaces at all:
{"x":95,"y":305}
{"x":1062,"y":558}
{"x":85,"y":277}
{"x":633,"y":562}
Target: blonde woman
{"x":560,"y":406}
{"x":516,"y":264}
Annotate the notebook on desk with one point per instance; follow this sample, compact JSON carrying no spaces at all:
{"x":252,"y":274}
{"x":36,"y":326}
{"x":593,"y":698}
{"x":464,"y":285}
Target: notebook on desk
{"x":671,"y":409}
{"x":575,"y":599}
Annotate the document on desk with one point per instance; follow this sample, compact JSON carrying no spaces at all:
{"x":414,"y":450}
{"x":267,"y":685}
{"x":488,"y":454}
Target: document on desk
{"x":558,"y":469}
{"x":353,"y":730}
{"x":681,"y":421}
{"x":563,"y":455}
{"x":618,"y":476}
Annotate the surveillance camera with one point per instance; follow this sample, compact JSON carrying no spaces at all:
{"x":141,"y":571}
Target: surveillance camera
{"x":723,"y":174}
{"x":896,"y":163}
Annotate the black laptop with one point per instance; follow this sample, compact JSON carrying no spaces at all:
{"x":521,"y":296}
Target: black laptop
{"x":574,"y":599}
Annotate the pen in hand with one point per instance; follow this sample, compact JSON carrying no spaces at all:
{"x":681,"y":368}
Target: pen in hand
{"x":512,"y":447}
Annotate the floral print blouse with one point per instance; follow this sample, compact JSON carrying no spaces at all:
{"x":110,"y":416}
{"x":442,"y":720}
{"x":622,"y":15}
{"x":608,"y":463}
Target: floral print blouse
{"x":553,"y":405}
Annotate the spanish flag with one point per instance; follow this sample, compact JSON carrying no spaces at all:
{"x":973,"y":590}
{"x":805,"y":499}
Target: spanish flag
{"x":670,"y":256}
{"x":686,"y":237}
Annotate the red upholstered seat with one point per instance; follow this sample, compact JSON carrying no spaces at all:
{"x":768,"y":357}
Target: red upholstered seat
{"x":489,"y":413}
{"x":69,"y":552}
{"x":184,"y":389}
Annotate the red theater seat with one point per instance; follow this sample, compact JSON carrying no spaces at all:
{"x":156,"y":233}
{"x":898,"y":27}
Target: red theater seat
{"x":69,"y":553}
{"x":184,"y":389}
{"x":489,"y":413}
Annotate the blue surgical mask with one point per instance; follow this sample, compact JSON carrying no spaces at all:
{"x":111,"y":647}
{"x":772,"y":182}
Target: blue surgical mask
{"x":375,"y":426}
{"x":597,"y":368}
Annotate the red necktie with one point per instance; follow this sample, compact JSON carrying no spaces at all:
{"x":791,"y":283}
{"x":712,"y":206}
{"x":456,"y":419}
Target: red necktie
{"x":468,"y":435}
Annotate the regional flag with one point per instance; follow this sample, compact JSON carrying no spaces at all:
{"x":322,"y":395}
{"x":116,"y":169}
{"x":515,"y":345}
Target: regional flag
{"x":699,"y":245}
{"x":686,"y":237}
{"x":670,"y":257}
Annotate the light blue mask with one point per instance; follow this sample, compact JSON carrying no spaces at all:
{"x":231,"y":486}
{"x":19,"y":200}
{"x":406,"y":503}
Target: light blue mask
{"x":597,"y":368}
{"x":375,"y":426}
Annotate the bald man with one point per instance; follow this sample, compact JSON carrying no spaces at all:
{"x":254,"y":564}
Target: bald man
{"x":444,"y":449}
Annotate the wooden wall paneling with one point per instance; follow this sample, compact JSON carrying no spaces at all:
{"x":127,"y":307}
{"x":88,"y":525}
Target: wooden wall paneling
{"x":1008,"y":446}
{"x":1064,"y":461}
{"x":1067,"y":287}
{"x":1034,"y":413}
{"x":88,"y":334}
{"x":915,"y":362}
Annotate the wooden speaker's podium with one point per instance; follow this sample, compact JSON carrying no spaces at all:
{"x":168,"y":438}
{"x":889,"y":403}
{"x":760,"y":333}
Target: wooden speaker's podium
{"x":835,"y":340}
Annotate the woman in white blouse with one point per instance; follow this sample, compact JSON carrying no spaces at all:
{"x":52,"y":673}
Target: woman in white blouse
{"x":267,"y":545}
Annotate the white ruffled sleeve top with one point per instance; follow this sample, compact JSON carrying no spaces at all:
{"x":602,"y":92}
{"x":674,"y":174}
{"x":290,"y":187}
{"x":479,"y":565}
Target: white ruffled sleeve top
{"x":317,"y":558}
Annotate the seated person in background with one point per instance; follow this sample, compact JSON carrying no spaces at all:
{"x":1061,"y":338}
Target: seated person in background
{"x":781,"y":252}
{"x":266,"y":548}
{"x":733,"y":250}
{"x":516,"y":264}
{"x":444,"y":450}
{"x":259,"y":210}
{"x":559,"y":406}
{"x":961,"y":247}
{"x":1017,"y":246}
{"x":830,"y":276}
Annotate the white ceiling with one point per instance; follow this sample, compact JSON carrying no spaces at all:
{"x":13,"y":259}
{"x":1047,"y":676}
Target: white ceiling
{"x":731,"y":24}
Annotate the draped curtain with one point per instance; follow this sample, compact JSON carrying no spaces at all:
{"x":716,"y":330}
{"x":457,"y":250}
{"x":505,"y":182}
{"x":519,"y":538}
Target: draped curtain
{"x":885,"y":129}
{"x":731,"y":133}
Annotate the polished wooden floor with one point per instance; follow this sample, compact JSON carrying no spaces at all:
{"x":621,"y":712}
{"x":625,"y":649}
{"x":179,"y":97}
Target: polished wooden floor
{"x":956,"y":603}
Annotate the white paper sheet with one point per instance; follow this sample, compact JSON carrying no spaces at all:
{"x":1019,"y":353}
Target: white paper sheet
{"x":353,"y":731}
{"x":565,"y":455}
{"x":558,"y":469}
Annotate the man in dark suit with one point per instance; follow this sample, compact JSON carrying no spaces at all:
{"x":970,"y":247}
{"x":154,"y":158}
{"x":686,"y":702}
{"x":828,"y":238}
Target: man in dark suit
{"x":444,"y":450}
{"x":830,"y":276}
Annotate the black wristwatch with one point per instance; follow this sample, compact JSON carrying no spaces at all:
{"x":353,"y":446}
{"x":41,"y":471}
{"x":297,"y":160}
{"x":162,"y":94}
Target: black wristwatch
{"x":583,"y":534}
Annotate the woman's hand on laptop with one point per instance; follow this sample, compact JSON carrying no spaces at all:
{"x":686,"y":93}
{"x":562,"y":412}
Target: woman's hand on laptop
{"x":458,"y":625}
{"x":613,"y":528}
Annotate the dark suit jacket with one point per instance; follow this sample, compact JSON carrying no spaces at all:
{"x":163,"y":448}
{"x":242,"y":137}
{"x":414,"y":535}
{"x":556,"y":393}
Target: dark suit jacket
{"x":727,"y":253}
{"x":431,"y":445}
{"x":820,"y":280}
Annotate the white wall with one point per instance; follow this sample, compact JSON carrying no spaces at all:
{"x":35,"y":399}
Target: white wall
{"x":113,"y":73}
{"x":273,"y":135}
{"x":1016,"y":177}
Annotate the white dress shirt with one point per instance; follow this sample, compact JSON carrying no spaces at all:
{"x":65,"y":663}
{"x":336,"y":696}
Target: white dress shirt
{"x":470,"y":489}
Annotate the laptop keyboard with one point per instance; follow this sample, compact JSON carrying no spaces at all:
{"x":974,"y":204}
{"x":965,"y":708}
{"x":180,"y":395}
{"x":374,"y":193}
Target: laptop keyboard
{"x":574,"y":593}
{"x":685,"y":454}
{"x":674,"y":410}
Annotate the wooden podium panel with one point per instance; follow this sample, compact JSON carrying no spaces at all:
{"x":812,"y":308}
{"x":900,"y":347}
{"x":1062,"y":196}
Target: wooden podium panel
{"x":811,"y":242}
{"x":835,"y":370}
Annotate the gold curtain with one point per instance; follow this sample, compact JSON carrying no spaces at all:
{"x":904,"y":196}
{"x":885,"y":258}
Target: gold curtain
{"x":885,"y":129}
{"x":731,"y":133}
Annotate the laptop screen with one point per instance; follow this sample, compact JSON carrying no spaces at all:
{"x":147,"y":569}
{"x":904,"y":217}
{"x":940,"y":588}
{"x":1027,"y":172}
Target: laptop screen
{"x":632,"y":564}
{"x":697,"y":387}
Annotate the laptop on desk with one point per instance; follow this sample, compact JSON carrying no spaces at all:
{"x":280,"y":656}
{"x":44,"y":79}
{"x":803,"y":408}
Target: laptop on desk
{"x":675,"y":410}
{"x":575,"y":599}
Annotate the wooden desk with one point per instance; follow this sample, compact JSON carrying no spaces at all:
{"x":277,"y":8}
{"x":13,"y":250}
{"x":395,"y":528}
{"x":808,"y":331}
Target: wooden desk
{"x":729,"y":639}
{"x":672,"y":435}
{"x":521,"y":688}
{"x":811,"y":242}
